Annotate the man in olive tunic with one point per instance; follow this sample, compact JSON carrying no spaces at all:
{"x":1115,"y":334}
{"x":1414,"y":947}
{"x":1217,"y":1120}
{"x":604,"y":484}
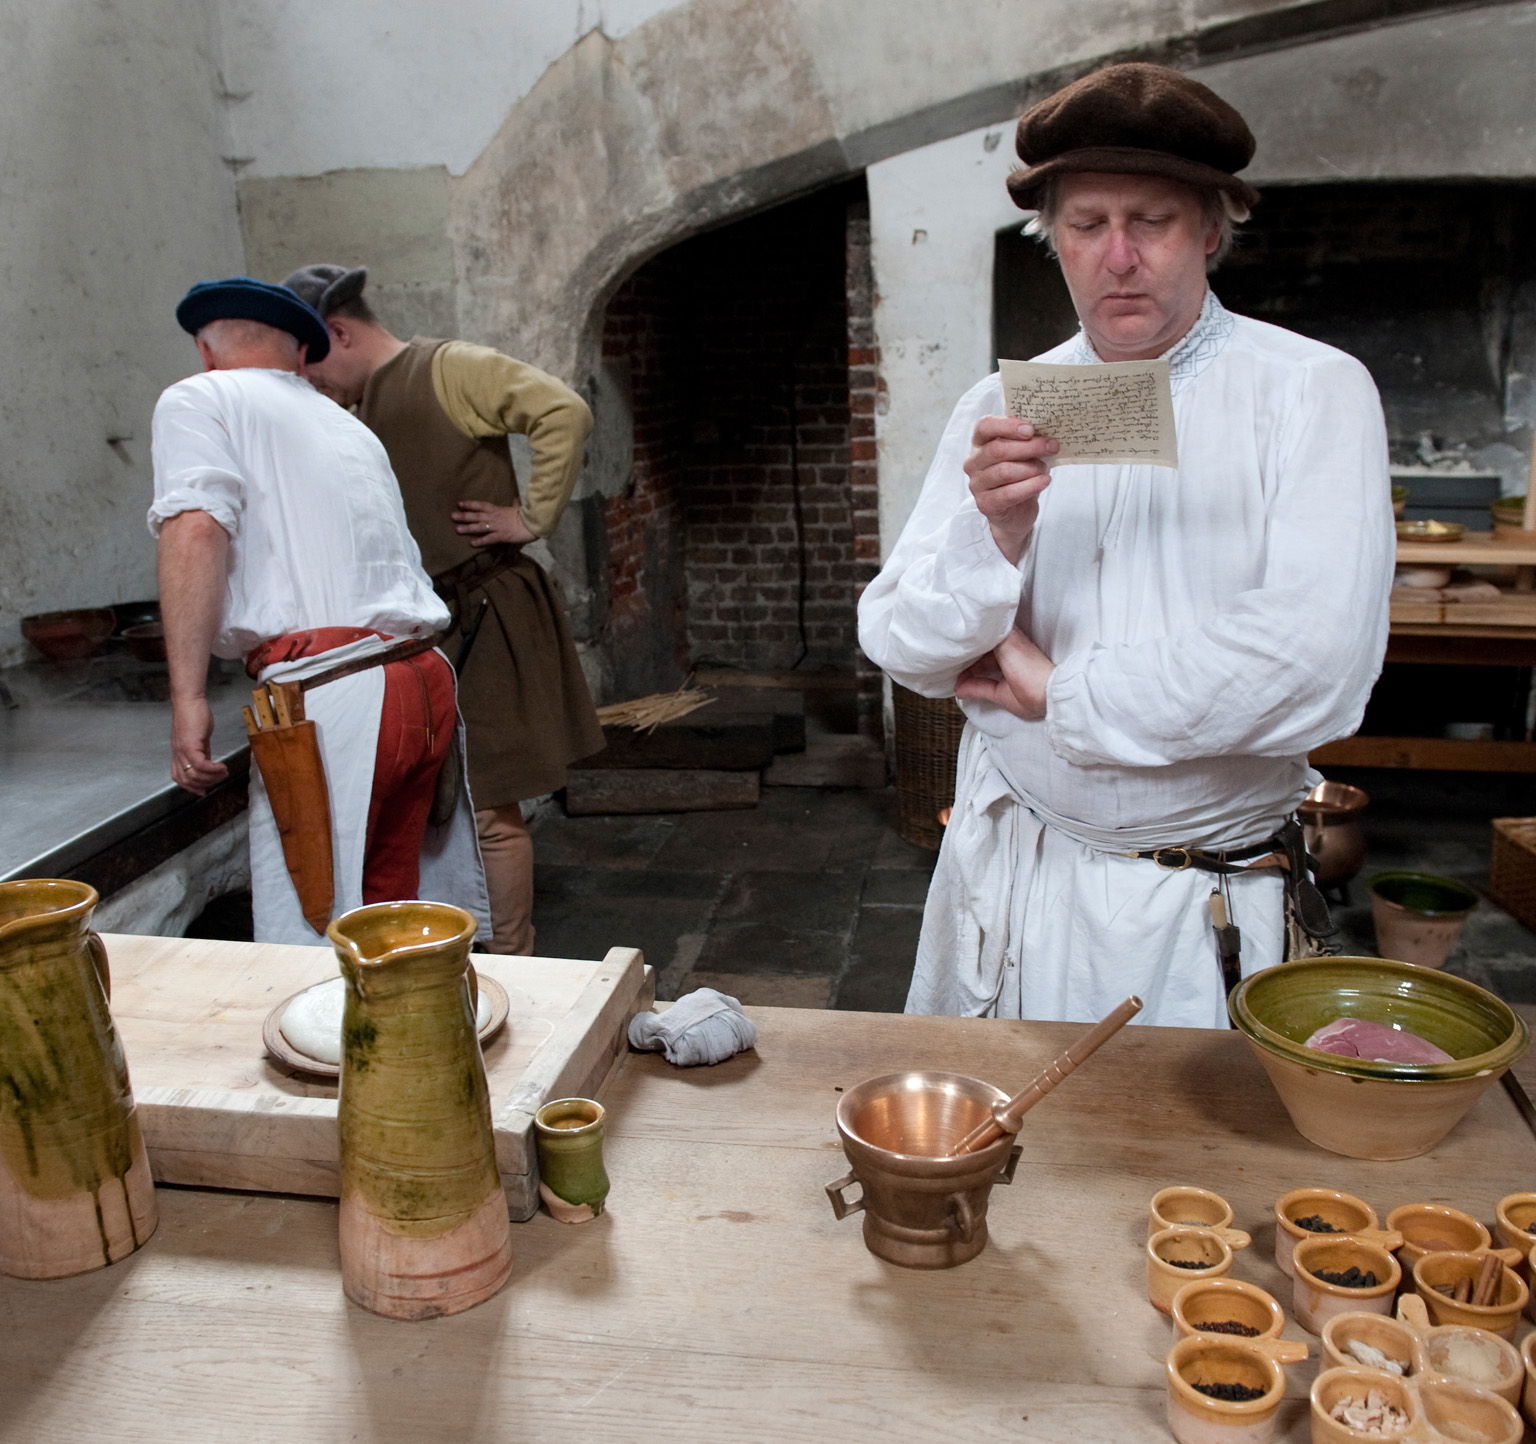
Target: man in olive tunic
{"x":443,"y":410}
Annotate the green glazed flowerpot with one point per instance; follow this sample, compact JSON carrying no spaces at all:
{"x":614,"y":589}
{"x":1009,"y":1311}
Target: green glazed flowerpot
{"x":424,"y":1226}
{"x":570,"y":1139}
{"x":75,"y":1187}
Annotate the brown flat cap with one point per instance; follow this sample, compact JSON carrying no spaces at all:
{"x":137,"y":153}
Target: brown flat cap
{"x":1139,"y":119}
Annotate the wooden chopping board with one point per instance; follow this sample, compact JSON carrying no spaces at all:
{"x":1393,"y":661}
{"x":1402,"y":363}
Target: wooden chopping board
{"x":217,"y":1111}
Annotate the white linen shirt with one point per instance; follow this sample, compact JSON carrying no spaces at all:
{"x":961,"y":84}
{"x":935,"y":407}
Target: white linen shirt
{"x":1210,"y":625}
{"x":318,"y":536}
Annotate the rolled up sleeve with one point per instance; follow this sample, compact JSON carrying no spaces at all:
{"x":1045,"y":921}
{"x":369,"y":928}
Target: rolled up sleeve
{"x":194,"y":461}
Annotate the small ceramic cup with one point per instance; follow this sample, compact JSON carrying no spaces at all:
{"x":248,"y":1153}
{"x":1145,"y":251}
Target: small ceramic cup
{"x":1332,"y":1385}
{"x":1452,"y":1351}
{"x":572,"y":1180}
{"x":1200,"y":1305}
{"x":1187,"y":1207}
{"x":1528,"y":1394}
{"x":1196,"y":1418}
{"x":1315,"y":1300}
{"x":1178,"y":1256}
{"x":1342,"y":1212}
{"x":1429,"y":1228}
{"x":1499,"y":1317}
{"x":1514,"y":1220}
{"x":1394,"y":1338}
{"x":1455,"y":1410}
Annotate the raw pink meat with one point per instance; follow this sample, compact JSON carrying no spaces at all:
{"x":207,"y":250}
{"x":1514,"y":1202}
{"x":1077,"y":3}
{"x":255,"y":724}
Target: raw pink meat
{"x":1357,"y":1038}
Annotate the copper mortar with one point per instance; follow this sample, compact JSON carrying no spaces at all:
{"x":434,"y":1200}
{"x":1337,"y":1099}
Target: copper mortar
{"x":1330,"y":821}
{"x":924,"y":1205}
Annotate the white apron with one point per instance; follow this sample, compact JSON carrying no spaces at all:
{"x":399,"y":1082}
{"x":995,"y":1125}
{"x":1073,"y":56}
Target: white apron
{"x":346,"y":715}
{"x":1030,"y":915}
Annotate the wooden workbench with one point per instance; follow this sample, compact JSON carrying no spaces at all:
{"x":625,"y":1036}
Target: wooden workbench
{"x":718,"y":1300}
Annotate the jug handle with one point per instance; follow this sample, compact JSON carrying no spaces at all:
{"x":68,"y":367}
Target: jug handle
{"x":1006,"y":1172}
{"x":99,"y":959}
{"x":961,"y":1219}
{"x":840,"y":1205}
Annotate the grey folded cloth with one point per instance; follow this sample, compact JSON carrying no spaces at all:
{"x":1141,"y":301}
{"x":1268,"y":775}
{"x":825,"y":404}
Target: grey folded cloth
{"x":704,"y":1027}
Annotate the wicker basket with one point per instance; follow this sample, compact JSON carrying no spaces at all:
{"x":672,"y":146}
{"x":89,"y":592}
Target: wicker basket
{"x":927,"y":743}
{"x":1512,"y":873}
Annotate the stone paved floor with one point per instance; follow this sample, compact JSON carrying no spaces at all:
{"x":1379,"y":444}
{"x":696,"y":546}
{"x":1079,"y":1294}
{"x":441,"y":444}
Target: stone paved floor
{"x":809,"y":900}
{"x":812,"y":900}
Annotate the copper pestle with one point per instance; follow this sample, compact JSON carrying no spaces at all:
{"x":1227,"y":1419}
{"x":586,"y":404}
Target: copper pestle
{"x":1009,"y":1117}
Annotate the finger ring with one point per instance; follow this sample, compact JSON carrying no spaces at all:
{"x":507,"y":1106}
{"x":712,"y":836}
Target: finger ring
{"x":186,"y":766}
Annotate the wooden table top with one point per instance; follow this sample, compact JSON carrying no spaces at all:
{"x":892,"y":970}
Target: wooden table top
{"x":718,"y":1299}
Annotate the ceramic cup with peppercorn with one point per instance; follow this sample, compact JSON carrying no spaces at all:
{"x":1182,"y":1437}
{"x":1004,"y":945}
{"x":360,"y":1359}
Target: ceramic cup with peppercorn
{"x":1230,"y":1308}
{"x":1222,"y":1391}
{"x":1337,"y":1275}
{"x":1305,"y":1212}
{"x":1177,"y":1256}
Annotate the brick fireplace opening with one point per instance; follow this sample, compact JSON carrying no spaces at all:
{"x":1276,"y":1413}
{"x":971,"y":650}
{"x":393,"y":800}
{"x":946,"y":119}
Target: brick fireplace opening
{"x":748,"y":523}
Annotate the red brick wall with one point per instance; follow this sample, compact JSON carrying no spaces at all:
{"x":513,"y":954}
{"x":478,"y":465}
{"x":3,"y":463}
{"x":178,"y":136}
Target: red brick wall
{"x":736,"y":538}
{"x":864,"y":401}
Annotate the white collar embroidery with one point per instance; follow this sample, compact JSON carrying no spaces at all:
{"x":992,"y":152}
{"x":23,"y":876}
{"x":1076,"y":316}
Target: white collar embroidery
{"x":1188,"y":356}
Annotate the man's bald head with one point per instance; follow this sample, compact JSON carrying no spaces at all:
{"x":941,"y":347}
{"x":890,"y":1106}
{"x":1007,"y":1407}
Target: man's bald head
{"x":234,"y":344}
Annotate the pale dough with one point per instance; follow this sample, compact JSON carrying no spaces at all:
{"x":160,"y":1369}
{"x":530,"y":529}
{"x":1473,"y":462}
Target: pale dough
{"x":312,"y":1021}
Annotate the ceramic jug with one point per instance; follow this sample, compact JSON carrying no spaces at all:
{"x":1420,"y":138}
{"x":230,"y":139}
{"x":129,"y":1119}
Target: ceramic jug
{"x":424,"y":1225}
{"x":75,"y":1187}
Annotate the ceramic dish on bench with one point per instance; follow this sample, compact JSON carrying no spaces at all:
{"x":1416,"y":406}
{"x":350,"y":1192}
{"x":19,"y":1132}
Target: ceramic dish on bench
{"x":492,"y":1011}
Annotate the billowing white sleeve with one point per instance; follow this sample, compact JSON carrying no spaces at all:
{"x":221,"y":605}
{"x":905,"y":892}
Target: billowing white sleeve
{"x":946,"y":595}
{"x":1284,"y":667}
{"x":194,"y":460}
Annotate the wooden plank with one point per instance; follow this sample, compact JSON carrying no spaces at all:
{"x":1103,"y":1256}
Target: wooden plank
{"x":831,"y":760}
{"x":602,"y":792}
{"x":705,"y":739}
{"x":782,"y":705}
{"x":1430,"y":754}
{"x":1452,"y":646}
{"x":718,"y":1299}
{"x":1476,"y":549}
{"x":216,"y":1111}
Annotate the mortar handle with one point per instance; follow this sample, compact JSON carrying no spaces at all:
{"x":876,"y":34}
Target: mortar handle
{"x":840,"y":1205}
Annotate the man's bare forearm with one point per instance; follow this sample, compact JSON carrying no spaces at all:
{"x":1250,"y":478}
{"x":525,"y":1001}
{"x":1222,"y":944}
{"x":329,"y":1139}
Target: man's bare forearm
{"x":193,"y":561}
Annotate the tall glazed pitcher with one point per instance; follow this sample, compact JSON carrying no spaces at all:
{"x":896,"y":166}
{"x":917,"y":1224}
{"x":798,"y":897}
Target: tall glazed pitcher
{"x":424,"y":1226}
{"x":75,"y":1186}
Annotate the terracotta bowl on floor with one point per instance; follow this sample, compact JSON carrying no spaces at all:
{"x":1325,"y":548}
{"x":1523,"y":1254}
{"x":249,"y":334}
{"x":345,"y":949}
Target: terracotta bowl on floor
{"x":1357,"y":1106}
{"x":69,"y":636}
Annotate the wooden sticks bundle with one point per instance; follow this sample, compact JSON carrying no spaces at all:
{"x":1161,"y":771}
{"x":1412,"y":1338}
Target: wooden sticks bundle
{"x":646,"y":714}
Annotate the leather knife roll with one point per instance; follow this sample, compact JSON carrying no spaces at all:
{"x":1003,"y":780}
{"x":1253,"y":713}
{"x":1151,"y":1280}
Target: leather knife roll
{"x":294,"y":776}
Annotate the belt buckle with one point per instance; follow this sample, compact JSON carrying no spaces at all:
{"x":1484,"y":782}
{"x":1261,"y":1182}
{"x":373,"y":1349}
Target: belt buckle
{"x":1159,"y":854}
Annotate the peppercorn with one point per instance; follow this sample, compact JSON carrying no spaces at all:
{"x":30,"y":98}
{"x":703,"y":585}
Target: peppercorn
{"x":1315,"y":1223}
{"x":1351,"y":1278}
{"x":1232,"y":1393}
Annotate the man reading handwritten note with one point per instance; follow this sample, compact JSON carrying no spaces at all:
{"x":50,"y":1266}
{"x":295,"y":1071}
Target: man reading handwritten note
{"x":1117,"y":412}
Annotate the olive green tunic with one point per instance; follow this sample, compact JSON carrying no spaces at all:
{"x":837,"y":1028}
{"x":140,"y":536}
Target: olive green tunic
{"x":526,"y":708}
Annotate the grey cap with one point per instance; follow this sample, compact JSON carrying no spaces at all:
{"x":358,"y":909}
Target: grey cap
{"x":326,"y":287}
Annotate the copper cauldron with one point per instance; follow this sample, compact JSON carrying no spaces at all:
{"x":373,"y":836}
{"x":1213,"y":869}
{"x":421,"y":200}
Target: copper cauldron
{"x":923,"y":1206}
{"x":1330,"y":821}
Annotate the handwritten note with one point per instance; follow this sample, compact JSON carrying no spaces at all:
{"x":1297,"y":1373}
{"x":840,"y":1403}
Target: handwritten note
{"x":1116,"y":412}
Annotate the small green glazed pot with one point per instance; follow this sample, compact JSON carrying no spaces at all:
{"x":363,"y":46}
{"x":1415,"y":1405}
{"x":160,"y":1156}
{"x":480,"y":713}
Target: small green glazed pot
{"x":570,"y":1136}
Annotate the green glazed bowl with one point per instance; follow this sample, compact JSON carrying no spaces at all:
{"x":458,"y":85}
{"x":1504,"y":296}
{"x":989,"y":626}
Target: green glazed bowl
{"x":1358,"y":1106}
{"x":1424,"y":893}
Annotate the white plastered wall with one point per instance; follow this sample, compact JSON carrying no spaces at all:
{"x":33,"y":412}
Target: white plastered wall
{"x":113,"y":197}
{"x":1444,"y":97}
